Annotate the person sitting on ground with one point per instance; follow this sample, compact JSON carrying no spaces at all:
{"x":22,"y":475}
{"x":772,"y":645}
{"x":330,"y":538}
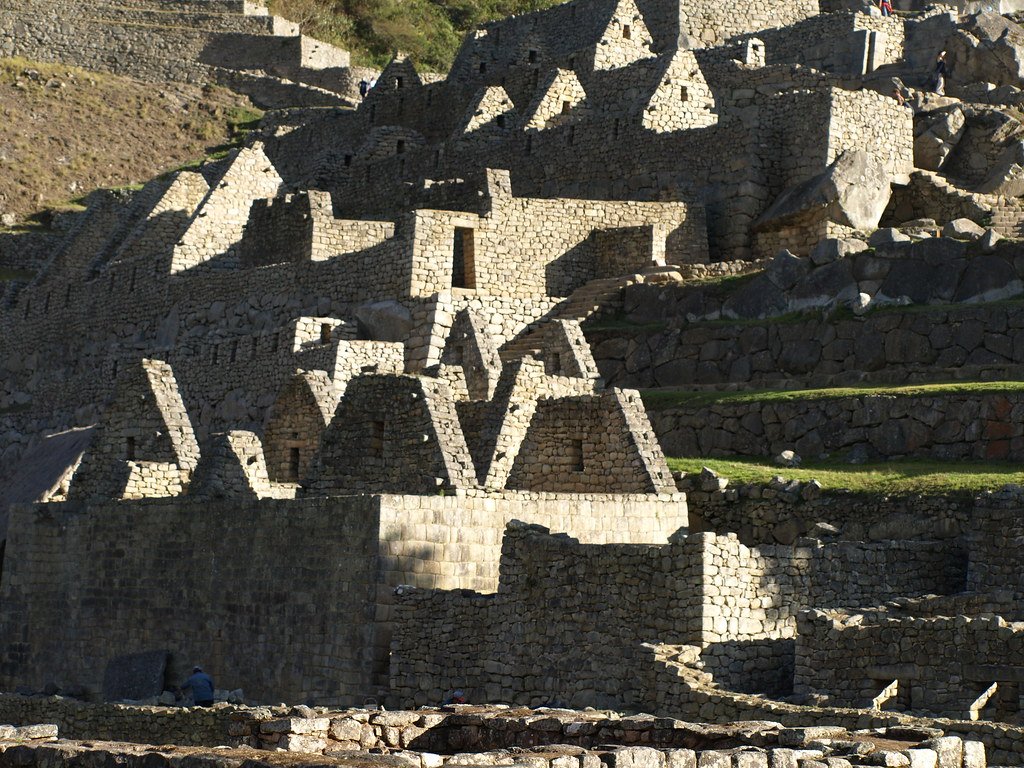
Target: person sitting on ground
{"x":457,"y":697}
{"x":201,"y":685}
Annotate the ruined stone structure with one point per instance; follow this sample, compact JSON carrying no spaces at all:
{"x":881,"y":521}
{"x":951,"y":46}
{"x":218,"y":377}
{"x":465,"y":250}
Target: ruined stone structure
{"x":353,"y":414}
{"x":235,"y":43}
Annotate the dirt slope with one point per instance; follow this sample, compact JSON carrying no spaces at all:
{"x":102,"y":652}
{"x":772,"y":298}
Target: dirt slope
{"x":66,"y":131}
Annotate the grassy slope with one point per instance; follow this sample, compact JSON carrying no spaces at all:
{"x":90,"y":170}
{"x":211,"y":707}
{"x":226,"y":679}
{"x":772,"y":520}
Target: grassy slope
{"x":65,"y":131}
{"x":894,"y":477}
{"x":663,"y":399}
{"x":429,"y":30}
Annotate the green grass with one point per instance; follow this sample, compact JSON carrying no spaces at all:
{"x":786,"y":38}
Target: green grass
{"x":662,"y":399}
{"x":925,"y":477}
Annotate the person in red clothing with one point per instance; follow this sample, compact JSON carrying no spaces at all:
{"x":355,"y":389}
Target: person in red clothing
{"x":885,"y":6}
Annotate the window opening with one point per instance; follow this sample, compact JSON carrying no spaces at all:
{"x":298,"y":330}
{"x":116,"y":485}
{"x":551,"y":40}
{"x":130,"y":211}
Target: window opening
{"x":531,"y":57}
{"x":375,"y":444}
{"x":325,"y":333}
{"x":576,"y":455}
{"x":463,"y":267}
{"x":294,"y":458}
{"x":627,"y":33}
{"x":129,"y":448}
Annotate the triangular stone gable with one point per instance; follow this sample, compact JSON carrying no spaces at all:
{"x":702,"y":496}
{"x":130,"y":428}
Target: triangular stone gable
{"x":295,"y":424}
{"x":155,"y":236}
{"x":625,"y":39}
{"x":471,"y":350}
{"x":219,"y":223}
{"x":591,"y":444}
{"x":233,"y":466}
{"x":491,"y":112}
{"x":393,"y":434}
{"x":399,"y":74}
{"x":561,"y":99}
{"x":682,"y":98}
{"x":145,"y":447}
{"x":567,"y":351}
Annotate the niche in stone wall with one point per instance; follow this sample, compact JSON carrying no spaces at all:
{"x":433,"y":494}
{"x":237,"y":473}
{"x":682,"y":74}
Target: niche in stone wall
{"x":463,"y":258}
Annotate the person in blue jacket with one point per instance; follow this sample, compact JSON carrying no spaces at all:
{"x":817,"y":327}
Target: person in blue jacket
{"x":201,"y":685}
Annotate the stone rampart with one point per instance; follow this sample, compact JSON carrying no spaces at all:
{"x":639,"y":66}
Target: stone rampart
{"x":781,"y":512}
{"x":189,"y":42}
{"x":230,"y":583}
{"x":889,"y":346}
{"x":944,"y":665}
{"x":947,"y":426}
{"x":737,"y":604}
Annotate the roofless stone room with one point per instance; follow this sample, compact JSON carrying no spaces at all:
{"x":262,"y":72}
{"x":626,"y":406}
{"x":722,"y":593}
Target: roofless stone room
{"x":605,"y":384}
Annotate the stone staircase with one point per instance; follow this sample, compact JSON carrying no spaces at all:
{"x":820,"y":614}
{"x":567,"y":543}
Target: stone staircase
{"x":585,"y":302}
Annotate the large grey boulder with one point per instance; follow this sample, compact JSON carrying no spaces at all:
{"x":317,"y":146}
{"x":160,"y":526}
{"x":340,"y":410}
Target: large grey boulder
{"x":989,"y":48}
{"x":832,"y":249}
{"x":853,"y":191}
{"x":988,"y":278}
{"x":757,"y":299}
{"x":936,"y":133}
{"x":962,"y":229}
{"x":384,"y":321}
{"x":786,"y":269}
{"x":825,"y":286}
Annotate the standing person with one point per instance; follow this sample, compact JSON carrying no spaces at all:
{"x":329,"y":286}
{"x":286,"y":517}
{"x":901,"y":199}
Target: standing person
{"x":885,"y":6}
{"x":939,"y":77}
{"x":201,"y":685}
{"x":364,"y":87}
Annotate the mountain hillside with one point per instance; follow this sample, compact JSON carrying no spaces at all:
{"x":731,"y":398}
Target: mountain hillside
{"x":66,"y":131}
{"x":428,"y":30}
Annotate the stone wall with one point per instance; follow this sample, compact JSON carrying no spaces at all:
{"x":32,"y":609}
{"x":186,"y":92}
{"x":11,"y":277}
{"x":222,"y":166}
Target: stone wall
{"x":943,"y":426}
{"x":784,"y":510}
{"x":568,"y":622}
{"x":228,"y":583}
{"x":890,"y":346}
{"x":546,"y":738}
{"x":942,"y":665}
{"x":189,"y":42}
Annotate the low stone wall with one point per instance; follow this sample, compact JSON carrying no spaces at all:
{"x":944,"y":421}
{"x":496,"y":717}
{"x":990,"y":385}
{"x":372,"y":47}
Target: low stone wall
{"x":946,"y":426}
{"x":529,"y":739}
{"x":782,"y":511}
{"x":941,"y":664}
{"x":573,"y":623}
{"x":888,"y":346}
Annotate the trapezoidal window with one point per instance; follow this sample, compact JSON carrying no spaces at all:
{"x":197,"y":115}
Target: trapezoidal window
{"x":129,"y":448}
{"x":325,"y":333}
{"x":531,"y":57}
{"x":483,"y":67}
{"x":399,"y":147}
{"x":375,"y":440}
{"x":500,"y":120}
{"x":684,"y":93}
{"x":294,"y":460}
{"x":463,"y":258}
{"x":627,"y":32}
{"x":566,"y":106}
{"x":398,"y":83}
{"x":575,"y":455}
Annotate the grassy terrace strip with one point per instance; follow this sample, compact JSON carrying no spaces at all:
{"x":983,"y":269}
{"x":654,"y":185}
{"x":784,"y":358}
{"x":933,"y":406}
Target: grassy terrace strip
{"x":664,"y":399}
{"x":922,"y":477}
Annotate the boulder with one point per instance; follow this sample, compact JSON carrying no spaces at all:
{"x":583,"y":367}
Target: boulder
{"x":988,"y":278}
{"x":824,"y":286}
{"x":759,"y":298}
{"x":384,"y":321}
{"x":962,"y":229}
{"x":988,"y":48}
{"x":887,"y":235}
{"x":786,"y":269}
{"x":832,"y":248}
{"x":989,"y":240}
{"x":936,"y":133}
{"x":853,"y":191}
